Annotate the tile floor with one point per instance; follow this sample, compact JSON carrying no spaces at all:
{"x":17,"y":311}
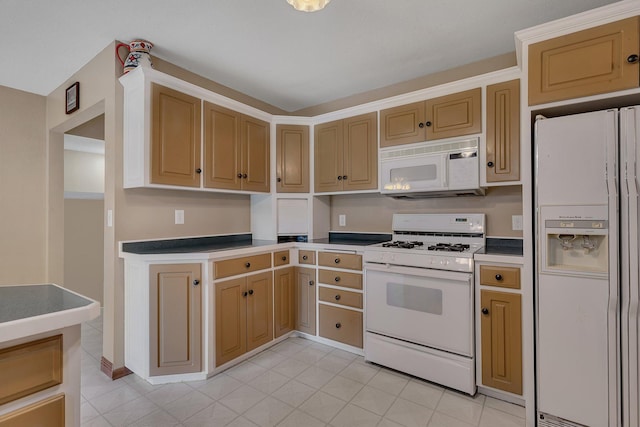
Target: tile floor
{"x":297,"y":383}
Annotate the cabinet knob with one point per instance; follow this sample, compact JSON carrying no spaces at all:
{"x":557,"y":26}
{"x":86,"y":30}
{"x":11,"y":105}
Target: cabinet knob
{"x":498,"y":277}
{"x":339,"y":177}
{"x":250,"y":291}
{"x":196,"y":282}
{"x":239,"y":175}
{"x":632,"y":59}
{"x":490,"y":164}
{"x":337,"y":278}
{"x":310,"y":282}
{"x":344,"y":177}
{"x":338,"y":325}
{"x":337,"y":260}
{"x":284,"y":258}
{"x":244,"y":294}
{"x":198,"y":170}
{"x":279,"y":179}
{"x":420,"y":125}
{"x":337,"y":297}
{"x":427,"y":124}
{"x":244,"y":175}
{"x":485,"y":310}
{"x":304,"y":257}
{"x":248,"y":264}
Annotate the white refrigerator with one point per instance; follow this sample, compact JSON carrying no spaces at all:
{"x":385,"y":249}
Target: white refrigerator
{"x":587,"y":232}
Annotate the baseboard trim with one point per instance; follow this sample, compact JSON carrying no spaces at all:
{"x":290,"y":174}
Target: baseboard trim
{"x":107,"y":368}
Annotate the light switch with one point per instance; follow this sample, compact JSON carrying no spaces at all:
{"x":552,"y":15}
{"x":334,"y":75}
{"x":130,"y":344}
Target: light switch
{"x":342,"y":220}
{"x":516,"y":222}
{"x":179,"y":216}
{"x":109,"y":218}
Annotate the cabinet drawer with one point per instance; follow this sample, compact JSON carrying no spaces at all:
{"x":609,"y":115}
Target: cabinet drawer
{"x":339,"y":260}
{"x":29,"y":368}
{"x":337,"y":296}
{"x":307,"y":257}
{"x":504,"y":277}
{"x":45,"y":413}
{"x":231,"y":267}
{"x":340,"y":278}
{"x":340,"y":324}
{"x":280,"y":258}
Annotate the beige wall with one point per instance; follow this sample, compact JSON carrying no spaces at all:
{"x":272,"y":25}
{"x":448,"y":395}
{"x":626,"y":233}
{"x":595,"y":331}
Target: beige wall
{"x":22,"y":187}
{"x":84,"y":247}
{"x":373,"y":212}
{"x":83,"y":172}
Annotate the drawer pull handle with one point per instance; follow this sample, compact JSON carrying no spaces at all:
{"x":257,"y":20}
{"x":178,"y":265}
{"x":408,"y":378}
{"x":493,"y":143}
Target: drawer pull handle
{"x":196,"y":282}
{"x":248,"y":265}
{"x":498,"y":277}
{"x":244,"y":294}
{"x":485,"y":310}
{"x":311,"y":283}
{"x":250,"y":291}
{"x":337,"y":278}
{"x":337,"y":260}
{"x":284,"y":258}
{"x":304,"y":257}
{"x":198,"y":170}
{"x":337,"y":297}
{"x":338,"y":325}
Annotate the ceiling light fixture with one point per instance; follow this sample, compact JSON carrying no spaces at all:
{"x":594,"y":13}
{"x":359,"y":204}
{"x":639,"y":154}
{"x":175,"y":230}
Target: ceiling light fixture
{"x":308,"y":5}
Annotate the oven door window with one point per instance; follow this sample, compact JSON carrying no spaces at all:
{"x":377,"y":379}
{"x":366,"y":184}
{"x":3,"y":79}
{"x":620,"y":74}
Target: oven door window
{"x":428,"y":307}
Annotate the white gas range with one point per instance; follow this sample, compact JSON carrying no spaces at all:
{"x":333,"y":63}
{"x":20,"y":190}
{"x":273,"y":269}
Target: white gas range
{"x":419,"y":295}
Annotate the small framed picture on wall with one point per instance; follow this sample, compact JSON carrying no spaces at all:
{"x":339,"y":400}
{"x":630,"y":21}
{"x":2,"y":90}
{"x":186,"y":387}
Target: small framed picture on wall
{"x":73,"y":98}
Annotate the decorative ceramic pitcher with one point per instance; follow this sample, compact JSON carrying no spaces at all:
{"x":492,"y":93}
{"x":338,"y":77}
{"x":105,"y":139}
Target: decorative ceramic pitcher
{"x":138,"y":54}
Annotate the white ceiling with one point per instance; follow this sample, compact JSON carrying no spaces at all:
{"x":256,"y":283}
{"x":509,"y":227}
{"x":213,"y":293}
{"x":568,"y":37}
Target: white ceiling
{"x":266,"y":49}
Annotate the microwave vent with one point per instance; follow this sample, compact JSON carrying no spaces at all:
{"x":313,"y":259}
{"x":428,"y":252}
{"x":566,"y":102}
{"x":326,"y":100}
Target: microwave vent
{"x":429,"y":148}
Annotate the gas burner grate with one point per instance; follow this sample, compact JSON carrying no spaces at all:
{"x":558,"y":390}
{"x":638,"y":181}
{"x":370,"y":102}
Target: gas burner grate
{"x":449,"y":247}
{"x":402,"y":244}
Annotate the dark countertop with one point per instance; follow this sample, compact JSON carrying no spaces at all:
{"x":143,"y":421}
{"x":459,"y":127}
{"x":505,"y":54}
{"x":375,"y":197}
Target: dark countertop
{"x":495,"y":246}
{"x":21,"y":302}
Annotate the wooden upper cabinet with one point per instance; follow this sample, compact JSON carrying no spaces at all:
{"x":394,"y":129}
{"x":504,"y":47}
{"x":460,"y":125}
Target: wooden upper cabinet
{"x":452,"y":115}
{"x":447,"y":116}
{"x":236,"y":150}
{"x":175,"y":319}
{"x":501,"y":340}
{"x":588,"y":62}
{"x":292,"y":159}
{"x":175,"y":138}
{"x":403,"y":125}
{"x":503,"y":132}
{"x":346,"y":154}
{"x":222,"y":148}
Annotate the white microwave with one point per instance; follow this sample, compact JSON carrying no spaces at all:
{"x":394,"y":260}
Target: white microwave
{"x":431,"y":170}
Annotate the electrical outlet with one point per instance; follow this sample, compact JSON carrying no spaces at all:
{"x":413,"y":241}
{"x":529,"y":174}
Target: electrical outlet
{"x":342,"y":220}
{"x":109,"y":218}
{"x":516,"y":222}
{"x":179,"y":216}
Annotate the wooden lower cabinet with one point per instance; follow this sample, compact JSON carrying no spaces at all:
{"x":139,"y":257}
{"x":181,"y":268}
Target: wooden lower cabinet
{"x":175,"y":301}
{"x":284,"y":304}
{"x":244,"y":311}
{"x":501,"y":340}
{"x":45,"y":413}
{"x":305,"y":297}
{"x":340,"y":324}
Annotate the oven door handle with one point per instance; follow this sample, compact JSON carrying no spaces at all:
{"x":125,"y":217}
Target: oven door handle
{"x":422,"y":272}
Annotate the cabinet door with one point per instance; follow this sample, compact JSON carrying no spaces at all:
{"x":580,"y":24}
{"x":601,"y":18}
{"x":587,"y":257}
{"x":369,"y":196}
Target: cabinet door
{"x":255,"y":154}
{"x":284,"y":301}
{"x":231,"y":319}
{"x":501,"y":340}
{"x":584,"y":63}
{"x":292,"y":159}
{"x":306,"y":300}
{"x":175,"y":321}
{"x":454,"y":115}
{"x":503,"y":131}
{"x":259,"y":310}
{"x":403,"y":125}
{"x":222,"y":133}
{"x":175,"y":138}
{"x":360,"y":153}
{"x":48,"y":412}
{"x":328,"y":156}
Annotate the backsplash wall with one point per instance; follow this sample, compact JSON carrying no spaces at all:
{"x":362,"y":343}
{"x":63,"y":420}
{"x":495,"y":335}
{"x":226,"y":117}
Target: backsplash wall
{"x":373,"y":212}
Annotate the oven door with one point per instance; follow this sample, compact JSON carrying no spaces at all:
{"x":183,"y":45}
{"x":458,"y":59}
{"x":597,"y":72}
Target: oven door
{"x":429,"y":307}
